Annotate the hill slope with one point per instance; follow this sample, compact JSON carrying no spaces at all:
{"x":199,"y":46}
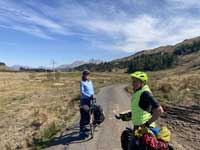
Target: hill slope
{"x":160,"y":58}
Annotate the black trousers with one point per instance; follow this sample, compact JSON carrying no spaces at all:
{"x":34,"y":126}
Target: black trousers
{"x":84,"y":114}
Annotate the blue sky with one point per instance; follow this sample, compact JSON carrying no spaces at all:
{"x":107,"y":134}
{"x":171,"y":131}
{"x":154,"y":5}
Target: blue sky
{"x":33,"y":32}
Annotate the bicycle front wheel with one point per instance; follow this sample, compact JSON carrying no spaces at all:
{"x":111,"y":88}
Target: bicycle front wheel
{"x":91,"y":126}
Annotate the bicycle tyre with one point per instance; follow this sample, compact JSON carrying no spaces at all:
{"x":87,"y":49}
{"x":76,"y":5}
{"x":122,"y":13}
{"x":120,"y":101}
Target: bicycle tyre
{"x":91,"y":126}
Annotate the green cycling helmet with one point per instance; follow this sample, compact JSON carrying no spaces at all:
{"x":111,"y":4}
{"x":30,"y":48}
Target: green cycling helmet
{"x":140,"y":75}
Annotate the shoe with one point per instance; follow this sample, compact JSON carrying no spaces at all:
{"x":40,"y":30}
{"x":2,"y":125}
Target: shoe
{"x":86,"y":129}
{"x":83,"y":134}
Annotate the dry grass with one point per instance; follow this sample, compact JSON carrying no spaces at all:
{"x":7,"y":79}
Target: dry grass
{"x":33,"y":108}
{"x":175,"y":86}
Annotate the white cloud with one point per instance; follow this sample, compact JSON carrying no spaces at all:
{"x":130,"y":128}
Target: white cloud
{"x":184,"y":4}
{"x":24,"y":19}
{"x":45,"y":23}
{"x":102,"y":25}
{"x":33,"y":30}
{"x":139,"y":32}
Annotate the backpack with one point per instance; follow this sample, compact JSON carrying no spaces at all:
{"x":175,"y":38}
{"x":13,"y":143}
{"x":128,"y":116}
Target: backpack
{"x":99,"y":116}
{"x":148,"y":140}
{"x":164,"y":134}
{"x":151,"y":142}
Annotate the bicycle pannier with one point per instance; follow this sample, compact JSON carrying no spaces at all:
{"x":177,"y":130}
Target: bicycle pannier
{"x":98,"y":114}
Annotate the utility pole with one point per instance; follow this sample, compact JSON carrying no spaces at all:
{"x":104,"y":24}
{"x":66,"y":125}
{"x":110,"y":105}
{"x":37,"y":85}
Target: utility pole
{"x":53,"y":64}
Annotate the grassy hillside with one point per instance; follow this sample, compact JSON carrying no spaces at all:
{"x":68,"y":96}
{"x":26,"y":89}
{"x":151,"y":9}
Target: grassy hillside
{"x":165,"y":57}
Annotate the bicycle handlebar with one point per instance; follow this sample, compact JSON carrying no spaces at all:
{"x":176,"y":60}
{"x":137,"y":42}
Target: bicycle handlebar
{"x":93,"y":102}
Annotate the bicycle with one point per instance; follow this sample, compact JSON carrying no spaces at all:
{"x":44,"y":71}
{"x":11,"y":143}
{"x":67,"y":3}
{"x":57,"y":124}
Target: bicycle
{"x":91,"y":112}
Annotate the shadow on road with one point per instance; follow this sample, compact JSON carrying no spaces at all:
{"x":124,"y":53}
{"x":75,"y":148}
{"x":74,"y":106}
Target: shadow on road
{"x":69,"y":137}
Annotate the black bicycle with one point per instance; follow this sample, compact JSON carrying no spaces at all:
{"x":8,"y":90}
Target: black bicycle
{"x":91,"y":112}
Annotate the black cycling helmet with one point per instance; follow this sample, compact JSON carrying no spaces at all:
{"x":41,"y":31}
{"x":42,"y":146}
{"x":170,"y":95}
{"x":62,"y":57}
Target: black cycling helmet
{"x":85,"y":72}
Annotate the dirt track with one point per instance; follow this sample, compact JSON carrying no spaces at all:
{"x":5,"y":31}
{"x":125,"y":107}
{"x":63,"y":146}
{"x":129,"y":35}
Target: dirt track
{"x":184,"y":122}
{"x":114,"y":99}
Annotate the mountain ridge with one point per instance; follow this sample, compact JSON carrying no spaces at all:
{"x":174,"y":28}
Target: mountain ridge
{"x":163,"y":57}
{"x":78,"y":63}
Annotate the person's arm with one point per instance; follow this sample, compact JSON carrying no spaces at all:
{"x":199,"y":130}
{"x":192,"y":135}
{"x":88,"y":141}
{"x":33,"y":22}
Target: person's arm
{"x":156,"y":114}
{"x":92,"y":88}
{"x":151,"y":105}
{"x":148,"y":102}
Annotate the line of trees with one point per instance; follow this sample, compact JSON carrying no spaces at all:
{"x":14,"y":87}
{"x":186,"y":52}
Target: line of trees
{"x":185,"y":49}
{"x":2,"y":64}
{"x":149,"y":62}
{"x":152,"y":62}
{"x":34,"y":70}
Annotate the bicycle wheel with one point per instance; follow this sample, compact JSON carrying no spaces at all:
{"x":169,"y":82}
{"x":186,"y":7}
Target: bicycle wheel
{"x":91,"y":125}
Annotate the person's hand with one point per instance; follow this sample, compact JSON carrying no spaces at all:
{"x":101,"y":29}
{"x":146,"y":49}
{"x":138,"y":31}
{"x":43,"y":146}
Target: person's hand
{"x":145,"y":125}
{"x":91,"y":97}
{"x":117,"y":116}
{"x":86,"y":108}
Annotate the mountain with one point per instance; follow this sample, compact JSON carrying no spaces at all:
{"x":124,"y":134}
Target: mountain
{"x":77,"y":64}
{"x":72,"y":65}
{"x":17,"y":67}
{"x":3,"y":67}
{"x":164,"y":57}
{"x":93,"y":61}
{"x":61,"y":67}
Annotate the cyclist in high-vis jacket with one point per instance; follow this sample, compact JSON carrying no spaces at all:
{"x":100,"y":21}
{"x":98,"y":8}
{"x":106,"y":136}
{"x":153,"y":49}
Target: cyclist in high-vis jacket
{"x":145,"y":109}
{"x":87,"y":93}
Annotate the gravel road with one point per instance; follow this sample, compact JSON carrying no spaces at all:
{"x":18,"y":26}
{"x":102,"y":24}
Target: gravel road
{"x":113,"y":99}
